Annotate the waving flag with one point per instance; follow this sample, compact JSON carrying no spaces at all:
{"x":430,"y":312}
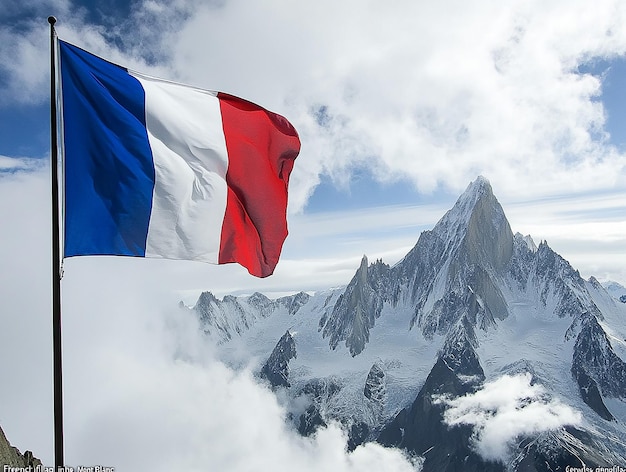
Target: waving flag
{"x":159,"y":169}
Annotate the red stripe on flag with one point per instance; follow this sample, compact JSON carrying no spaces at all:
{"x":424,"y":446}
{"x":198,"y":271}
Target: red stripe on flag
{"x":262,"y":147}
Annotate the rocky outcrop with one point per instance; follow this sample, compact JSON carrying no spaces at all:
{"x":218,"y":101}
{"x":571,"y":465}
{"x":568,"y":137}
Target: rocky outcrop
{"x":374,"y":389}
{"x":11,"y":456}
{"x":276,"y":368}
{"x":319,"y":393}
{"x":356,"y":310}
{"x":596,"y":368}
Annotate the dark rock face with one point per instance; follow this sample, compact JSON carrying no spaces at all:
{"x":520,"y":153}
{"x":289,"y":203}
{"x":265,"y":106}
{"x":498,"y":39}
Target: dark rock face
{"x":358,"y":433}
{"x":374,"y":389}
{"x":420,"y":429}
{"x":590,"y":392}
{"x":356,"y":310}
{"x":310,"y":420}
{"x":319,"y":393}
{"x":276,"y":369}
{"x":596,"y":368}
{"x":489,"y":239}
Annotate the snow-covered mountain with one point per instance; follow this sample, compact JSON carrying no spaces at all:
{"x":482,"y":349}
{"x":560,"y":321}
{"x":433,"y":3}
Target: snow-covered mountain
{"x":472,"y":309}
{"x":616,"y":290}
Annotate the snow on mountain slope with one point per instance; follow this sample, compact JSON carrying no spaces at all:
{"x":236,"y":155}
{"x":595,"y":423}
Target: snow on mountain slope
{"x":405,"y":364}
{"x":470,"y":303}
{"x":616,"y":290}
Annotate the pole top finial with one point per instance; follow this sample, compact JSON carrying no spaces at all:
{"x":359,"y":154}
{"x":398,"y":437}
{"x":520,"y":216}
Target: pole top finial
{"x":52,"y":20}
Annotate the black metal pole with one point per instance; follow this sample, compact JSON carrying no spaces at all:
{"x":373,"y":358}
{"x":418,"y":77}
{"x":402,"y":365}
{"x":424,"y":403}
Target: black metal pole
{"x":56,"y":260}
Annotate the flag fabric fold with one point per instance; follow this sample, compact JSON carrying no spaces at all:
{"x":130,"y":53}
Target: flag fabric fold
{"x":159,"y":169}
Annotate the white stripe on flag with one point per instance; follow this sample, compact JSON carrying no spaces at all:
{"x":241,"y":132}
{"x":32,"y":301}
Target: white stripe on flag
{"x":185,"y":132}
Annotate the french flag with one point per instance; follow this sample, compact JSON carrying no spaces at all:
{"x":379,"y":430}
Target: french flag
{"x":158,"y":169}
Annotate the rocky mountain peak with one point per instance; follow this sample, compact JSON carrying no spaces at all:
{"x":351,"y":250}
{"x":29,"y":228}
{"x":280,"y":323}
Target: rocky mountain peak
{"x":476,"y":192}
{"x":205,"y":308}
{"x":474,"y":229}
{"x":364,"y":263}
{"x":204,"y":300}
{"x":478,"y":225}
{"x":453,"y":270}
{"x":357,"y":308}
{"x":276,"y":369}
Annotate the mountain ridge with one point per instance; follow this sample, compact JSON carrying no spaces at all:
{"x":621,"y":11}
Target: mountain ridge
{"x":470,"y":302}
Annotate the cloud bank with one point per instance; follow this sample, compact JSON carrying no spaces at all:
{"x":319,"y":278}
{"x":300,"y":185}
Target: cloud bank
{"x":506,"y":409}
{"x":436,"y":93}
{"x":430,"y":93}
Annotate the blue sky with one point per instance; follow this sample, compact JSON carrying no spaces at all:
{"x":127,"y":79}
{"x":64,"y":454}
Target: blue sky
{"x":399,"y":106}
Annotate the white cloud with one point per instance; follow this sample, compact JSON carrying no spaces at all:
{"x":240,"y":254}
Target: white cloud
{"x":17,"y":164}
{"x":24,"y":49}
{"x":434,"y":93}
{"x":506,"y":409}
{"x":25,"y":44}
{"x":438,"y":93}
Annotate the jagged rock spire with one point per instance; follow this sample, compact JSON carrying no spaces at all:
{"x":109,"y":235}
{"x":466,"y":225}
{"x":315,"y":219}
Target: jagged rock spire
{"x":276,"y":369}
{"x":356,"y":310}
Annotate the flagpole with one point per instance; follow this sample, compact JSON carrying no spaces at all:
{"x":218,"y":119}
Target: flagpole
{"x":56,"y":260}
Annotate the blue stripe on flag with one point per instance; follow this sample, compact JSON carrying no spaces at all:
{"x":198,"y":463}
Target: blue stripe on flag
{"x":109,"y":169}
